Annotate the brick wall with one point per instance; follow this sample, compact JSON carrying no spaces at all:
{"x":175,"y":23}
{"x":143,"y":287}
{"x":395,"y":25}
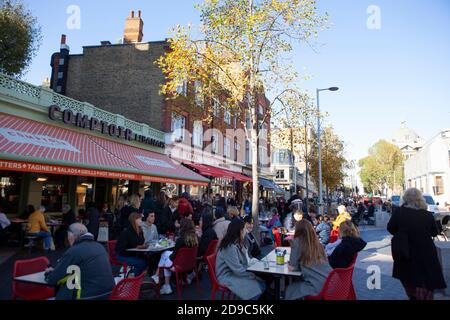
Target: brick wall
{"x":122,"y":79}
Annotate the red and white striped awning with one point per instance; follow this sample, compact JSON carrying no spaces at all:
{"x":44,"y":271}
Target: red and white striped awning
{"x":28,"y":145}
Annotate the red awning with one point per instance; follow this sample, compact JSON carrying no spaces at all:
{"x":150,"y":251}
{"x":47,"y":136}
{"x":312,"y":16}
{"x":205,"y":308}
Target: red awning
{"x":215,"y":172}
{"x":27,"y":145}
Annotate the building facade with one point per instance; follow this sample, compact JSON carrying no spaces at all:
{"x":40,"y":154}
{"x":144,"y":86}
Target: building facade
{"x":429,"y":169}
{"x":56,"y":150}
{"x":124,"y":79}
{"x":407,"y":140}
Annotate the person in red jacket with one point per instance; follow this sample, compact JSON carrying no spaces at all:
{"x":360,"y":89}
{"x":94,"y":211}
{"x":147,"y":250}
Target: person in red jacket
{"x":184,"y":206}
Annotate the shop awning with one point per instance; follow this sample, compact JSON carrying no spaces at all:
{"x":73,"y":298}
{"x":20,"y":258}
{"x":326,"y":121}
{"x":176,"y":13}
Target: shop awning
{"x":210,"y":171}
{"x":27,"y":145}
{"x":269,"y":184}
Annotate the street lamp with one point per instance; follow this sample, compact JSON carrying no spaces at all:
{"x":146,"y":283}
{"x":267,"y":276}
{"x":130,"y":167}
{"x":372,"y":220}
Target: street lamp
{"x":318,"y":143}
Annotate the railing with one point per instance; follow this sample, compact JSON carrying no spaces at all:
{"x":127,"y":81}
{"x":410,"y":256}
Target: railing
{"x":46,"y":97}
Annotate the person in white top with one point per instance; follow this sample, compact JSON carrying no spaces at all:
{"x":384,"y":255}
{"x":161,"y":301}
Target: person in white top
{"x":4,"y":221}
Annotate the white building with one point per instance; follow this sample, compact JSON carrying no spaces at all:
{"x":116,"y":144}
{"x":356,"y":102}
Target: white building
{"x":407,"y":140}
{"x":429,"y":169}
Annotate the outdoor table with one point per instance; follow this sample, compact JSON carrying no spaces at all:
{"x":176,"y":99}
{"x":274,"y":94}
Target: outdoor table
{"x":53,"y":224}
{"x":39,"y":278}
{"x":278,"y":271}
{"x":157,"y":248}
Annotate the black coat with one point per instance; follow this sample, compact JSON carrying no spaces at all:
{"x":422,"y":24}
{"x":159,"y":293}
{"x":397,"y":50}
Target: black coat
{"x":128,"y":239}
{"x":94,"y":221}
{"x":165,"y":221}
{"x":208,"y":235}
{"x":97,"y":279}
{"x":422,"y":269}
{"x":345,"y":252}
{"x":68,"y":218}
{"x":125,"y":214}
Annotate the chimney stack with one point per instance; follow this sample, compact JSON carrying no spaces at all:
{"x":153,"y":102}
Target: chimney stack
{"x":63,"y":39}
{"x":134,"y":27}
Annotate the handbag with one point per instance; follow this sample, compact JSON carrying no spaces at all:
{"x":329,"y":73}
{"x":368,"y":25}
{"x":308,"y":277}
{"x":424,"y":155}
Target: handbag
{"x":400,"y":246}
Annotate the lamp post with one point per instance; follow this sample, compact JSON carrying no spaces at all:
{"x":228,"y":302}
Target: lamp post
{"x":318,"y":144}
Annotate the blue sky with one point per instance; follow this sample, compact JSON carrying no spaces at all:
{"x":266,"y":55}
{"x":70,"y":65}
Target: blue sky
{"x":400,"y":72}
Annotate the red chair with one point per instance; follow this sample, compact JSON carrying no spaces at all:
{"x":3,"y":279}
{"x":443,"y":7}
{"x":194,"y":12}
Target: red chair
{"x":212,"y":248}
{"x":113,"y":256}
{"x":216,"y":286}
{"x":127,"y":289}
{"x":29,"y":291}
{"x":277,"y":236}
{"x":338,"y":286}
{"x":185,"y":262}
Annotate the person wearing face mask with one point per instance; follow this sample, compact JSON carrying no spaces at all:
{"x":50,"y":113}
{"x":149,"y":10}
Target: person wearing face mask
{"x":132,"y":238}
{"x":96,"y":276}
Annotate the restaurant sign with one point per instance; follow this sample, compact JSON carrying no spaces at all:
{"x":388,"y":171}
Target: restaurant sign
{"x":91,"y":123}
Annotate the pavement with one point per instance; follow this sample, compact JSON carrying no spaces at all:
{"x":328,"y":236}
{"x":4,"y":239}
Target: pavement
{"x":375,"y":256}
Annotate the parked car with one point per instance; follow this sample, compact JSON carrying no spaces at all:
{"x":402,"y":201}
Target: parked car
{"x":431,"y":205}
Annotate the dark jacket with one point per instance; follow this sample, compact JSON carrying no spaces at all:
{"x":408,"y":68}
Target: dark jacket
{"x":94,"y":221}
{"x":96,"y":276}
{"x":125,"y":214}
{"x":68,"y":218}
{"x":165,"y":221}
{"x":208,"y":235}
{"x":252,"y":246}
{"x":422,"y":269}
{"x":128,"y":239}
{"x":345,"y":252}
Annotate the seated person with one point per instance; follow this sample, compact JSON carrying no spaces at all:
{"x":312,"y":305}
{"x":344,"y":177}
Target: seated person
{"x":38,"y":227}
{"x":68,"y":218}
{"x":220,"y":224}
{"x":250,"y":242}
{"x":323,"y":230}
{"x":188,"y":238}
{"x":233,"y":213}
{"x":232,"y":262}
{"x":342,"y":216}
{"x":149,"y":228}
{"x":4,"y":225}
{"x":132,"y":238}
{"x":96,"y":280}
{"x":208,"y":233}
{"x":308,"y":256}
{"x":291,"y":219}
{"x":349,"y":246}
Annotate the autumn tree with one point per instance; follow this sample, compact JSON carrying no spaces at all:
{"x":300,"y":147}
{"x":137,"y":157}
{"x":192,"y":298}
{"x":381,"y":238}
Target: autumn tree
{"x":241,"y":53}
{"x":295,"y":120}
{"x":20,"y":37}
{"x":382,"y":167}
{"x":334,"y":162}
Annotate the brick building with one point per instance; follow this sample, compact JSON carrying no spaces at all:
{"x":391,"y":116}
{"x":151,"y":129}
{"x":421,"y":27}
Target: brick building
{"x":124,"y":79}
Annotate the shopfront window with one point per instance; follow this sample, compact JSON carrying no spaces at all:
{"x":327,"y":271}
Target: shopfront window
{"x":85,"y":191}
{"x":54,"y":193}
{"x":10,"y":183}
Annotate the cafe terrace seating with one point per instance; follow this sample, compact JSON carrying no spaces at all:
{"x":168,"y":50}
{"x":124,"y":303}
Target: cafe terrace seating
{"x":29,"y":291}
{"x":185,"y":262}
{"x":128,"y":288}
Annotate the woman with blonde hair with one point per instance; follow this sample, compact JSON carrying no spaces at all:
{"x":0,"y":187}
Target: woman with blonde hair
{"x":416,"y":263}
{"x":349,"y":246}
{"x":307,"y":256}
